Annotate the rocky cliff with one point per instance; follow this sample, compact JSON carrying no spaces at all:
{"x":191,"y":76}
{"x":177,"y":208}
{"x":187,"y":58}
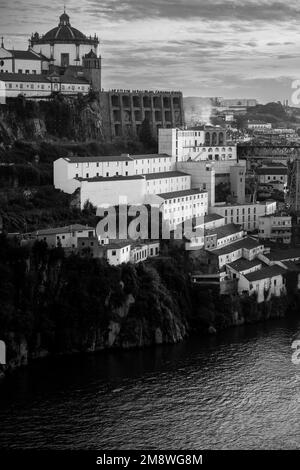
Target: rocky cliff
{"x":78,"y":119}
{"x":53,"y":305}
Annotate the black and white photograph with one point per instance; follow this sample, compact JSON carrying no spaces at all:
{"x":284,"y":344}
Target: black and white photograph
{"x":149,"y":233}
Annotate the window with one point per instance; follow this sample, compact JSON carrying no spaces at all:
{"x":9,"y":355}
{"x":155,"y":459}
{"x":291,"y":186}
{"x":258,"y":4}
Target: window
{"x":27,"y":71}
{"x":113,"y":252}
{"x":20,"y":71}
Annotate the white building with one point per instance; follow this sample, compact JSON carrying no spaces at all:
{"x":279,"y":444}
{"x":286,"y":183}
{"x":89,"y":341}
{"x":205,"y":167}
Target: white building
{"x":64,"y":45}
{"x":258,"y":125}
{"x":39,"y":86}
{"x":246,"y":215}
{"x":22,"y":62}
{"x":222,"y":236}
{"x":65,"y":237}
{"x":247,"y":248}
{"x":207,"y":143}
{"x":263,"y":283}
{"x":276,"y":228}
{"x":167,"y":182}
{"x":118,"y":253}
{"x":127,"y":251}
{"x":179,"y":206}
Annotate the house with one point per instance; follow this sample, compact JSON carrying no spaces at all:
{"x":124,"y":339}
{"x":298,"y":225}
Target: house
{"x":263,"y":282}
{"x":142,"y":251}
{"x":118,"y":252}
{"x":247,"y":247}
{"x":222,"y":236}
{"x":65,"y":237}
{"x":128,"y":251}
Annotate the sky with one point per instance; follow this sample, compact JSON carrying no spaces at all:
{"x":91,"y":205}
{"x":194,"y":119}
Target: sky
{"x":226,"y":48}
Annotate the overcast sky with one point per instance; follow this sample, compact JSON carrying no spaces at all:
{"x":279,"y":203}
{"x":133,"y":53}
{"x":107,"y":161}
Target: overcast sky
{"x":240,"y":48}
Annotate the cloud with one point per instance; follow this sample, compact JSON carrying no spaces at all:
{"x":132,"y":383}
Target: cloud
{"x":221,"y":10}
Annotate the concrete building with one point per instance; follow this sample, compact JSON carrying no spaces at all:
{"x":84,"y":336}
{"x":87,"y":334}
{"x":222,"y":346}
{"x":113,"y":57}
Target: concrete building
{"x":125,"y":111}
{"x":246,"y":215}
{"x":275,"y":228}
{"x":202,"y":176}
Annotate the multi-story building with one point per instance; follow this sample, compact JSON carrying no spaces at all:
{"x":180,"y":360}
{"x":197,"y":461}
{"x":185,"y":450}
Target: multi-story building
{"x":179,"y":206}
{"x":275,"y":228}
{"x":203,"y":143}
{"x":125,"y":111}
{"x":275,"y":175}
{"x":246,"y":215}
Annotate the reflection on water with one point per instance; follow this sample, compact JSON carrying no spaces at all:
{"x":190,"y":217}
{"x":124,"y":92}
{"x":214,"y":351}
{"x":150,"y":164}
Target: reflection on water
{"x":239,"y":389}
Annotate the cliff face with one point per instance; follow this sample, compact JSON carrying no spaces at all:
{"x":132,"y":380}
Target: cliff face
{"x":53,"y":305}
{"x":78,"y":119}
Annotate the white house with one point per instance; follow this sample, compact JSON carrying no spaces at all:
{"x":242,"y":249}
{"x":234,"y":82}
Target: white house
{"x":264,"y":283}
{"x":118,"y":252}
{"x":65,"y":237}
{"x":258,"y":125}
{"x":247,"y":248}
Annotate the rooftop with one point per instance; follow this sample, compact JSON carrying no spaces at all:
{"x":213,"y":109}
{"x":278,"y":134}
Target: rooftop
{"x":265,"y":273}
{"x":27,"y":55}
{"x":272,"y":171}
{"x":212,"y":218}
{"x":150,"y":155}
{"x":224,"y":231}
{"x":110,"y":178}
{"x":184,"y":192}
{"x":247,"y":243}
{"x":40,"y":78}
{"x":243,"y":264}
{"x":102,"y":158}
{"x":66,"y":229}
{"x":165,"y":174}
{"x":284,"y":254}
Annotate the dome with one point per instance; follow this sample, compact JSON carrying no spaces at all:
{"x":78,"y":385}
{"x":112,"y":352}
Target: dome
{"x":64,"y":32}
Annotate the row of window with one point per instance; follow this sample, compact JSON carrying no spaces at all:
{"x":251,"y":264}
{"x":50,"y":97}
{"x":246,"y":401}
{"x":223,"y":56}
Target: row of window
{"x":186,"y":198}
{"x":43,"y":86}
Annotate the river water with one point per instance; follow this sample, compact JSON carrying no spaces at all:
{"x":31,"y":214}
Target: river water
{"x":237,"y":390}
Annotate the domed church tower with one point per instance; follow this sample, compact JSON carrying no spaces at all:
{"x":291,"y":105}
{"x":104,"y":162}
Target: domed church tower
{"x":64,"y":45}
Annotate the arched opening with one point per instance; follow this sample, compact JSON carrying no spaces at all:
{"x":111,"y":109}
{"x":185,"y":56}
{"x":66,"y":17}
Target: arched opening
{"x":214,"y":138}
{"x":221,"y":138}
{"x":207,"y":138}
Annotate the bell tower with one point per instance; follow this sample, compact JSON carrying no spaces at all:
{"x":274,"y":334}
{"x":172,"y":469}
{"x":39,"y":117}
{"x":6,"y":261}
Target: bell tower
{"x":92,"y":70}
